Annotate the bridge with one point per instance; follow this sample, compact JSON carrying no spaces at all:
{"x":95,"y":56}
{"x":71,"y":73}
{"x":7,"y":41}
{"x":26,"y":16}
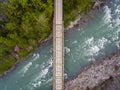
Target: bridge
{"x":58,"y":46}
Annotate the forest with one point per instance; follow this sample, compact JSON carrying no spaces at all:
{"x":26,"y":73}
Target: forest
{"x":25,"y":23}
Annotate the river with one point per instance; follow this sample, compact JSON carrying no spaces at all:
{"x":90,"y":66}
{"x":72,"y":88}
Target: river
{"x":96,"y":39}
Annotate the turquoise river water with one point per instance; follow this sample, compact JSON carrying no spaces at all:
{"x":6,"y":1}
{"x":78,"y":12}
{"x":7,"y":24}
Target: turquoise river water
{"x":98,"y":38}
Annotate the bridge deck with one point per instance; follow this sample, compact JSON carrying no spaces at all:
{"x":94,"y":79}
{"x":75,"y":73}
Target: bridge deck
{"x":58,"y":44}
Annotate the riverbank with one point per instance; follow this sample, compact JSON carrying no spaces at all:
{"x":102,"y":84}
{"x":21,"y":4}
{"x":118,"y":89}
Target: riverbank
{"x":96,"y":75}
{"x":13,"y":74}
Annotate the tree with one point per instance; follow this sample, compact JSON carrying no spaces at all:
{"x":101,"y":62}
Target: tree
{"x":26,"y":23}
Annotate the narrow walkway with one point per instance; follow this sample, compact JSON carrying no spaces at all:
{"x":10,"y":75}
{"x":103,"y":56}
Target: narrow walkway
{"x":58,"y":44}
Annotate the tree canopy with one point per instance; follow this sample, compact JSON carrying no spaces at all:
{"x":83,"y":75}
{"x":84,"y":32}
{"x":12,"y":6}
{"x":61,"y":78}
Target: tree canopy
{"x":72,"y":8}
{"x":26,"y":23}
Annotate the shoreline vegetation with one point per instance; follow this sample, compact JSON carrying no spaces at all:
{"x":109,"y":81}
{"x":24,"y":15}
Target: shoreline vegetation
{"x":26,"y":25}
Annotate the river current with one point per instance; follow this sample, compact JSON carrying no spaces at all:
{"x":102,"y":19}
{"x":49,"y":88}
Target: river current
{"x":96,"y":39}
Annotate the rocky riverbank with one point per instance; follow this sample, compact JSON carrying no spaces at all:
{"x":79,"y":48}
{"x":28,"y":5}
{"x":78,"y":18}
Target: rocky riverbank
{"x":99,"y":76}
